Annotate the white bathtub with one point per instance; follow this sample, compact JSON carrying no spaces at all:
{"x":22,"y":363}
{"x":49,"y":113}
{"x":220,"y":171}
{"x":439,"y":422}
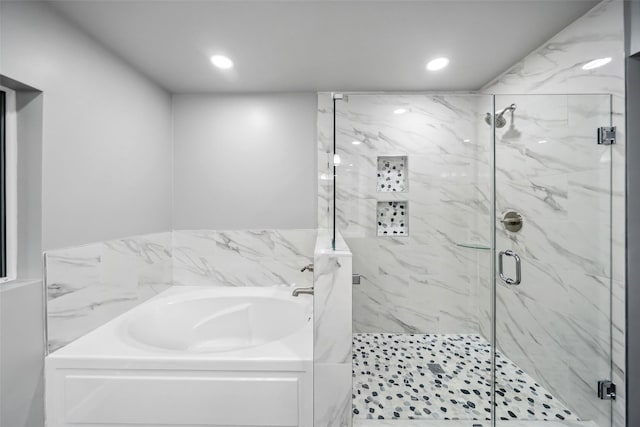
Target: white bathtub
{"x":192,"y":356}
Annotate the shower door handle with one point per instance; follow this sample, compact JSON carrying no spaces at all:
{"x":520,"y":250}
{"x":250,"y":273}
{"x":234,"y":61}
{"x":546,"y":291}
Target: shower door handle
{"x":505,"y":279}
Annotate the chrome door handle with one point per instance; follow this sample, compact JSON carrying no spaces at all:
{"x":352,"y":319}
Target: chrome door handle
{"x":505,"y":279}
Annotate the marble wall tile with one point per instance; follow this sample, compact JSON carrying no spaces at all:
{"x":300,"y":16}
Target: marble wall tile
{"x":91,"y":284}
{"x":571,"y":193}
{"x":230,"y":258}
{"x":332,"y":395}
{"x":332,"y":307}
{"x":423,"y":282}
{"x":332,"y":300}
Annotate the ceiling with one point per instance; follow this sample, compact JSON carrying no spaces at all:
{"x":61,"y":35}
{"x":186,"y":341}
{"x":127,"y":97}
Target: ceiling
{"x":302,"y":45}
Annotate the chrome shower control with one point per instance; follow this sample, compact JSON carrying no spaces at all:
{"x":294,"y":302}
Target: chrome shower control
{"x":512,"y":221}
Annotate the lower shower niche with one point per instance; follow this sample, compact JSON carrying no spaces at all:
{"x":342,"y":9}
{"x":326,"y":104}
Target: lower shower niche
{"x":392,"y":218}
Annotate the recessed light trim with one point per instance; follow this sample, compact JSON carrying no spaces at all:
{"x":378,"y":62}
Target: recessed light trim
{"x":437,"y":64}
{"x":221,"y":61}
{"x":400,"y":111}
{"x":596,"y":63}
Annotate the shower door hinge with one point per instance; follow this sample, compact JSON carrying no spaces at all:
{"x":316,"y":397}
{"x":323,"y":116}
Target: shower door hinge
{"x":606,"y":390}
{"x":607,"y":135}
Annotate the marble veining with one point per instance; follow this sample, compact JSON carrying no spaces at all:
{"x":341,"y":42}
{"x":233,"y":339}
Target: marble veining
{"x":415,"y":280}
{"x":229,"y":258}
{"x":332,"y":304}
{"x":571,"y":193}
{"x":91,"y":284}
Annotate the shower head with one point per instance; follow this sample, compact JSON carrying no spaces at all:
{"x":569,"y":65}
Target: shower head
{"x":500,"y":119}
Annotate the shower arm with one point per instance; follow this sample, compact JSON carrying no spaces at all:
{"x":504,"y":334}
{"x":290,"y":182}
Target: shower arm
{"x":511,"y":108}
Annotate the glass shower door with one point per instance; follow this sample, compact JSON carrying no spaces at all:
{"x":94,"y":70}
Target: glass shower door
{"x":553,"y":252}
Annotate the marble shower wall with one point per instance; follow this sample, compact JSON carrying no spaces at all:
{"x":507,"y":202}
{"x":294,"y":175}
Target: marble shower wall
{"x":556,"y":324}
{"x":424,"y":282}
{"x":89,"y":285}
{"x":332,"y":308}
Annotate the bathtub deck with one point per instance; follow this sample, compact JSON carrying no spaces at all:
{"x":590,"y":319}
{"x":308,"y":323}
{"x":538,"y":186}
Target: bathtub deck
{"x":392,"y":379}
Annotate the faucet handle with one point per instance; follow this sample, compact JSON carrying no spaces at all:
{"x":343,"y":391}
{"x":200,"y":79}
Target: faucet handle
{"x":307,"y":267}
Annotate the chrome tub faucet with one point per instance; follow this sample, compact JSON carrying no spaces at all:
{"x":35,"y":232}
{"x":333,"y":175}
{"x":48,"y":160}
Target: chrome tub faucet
{"x":307,"y":291}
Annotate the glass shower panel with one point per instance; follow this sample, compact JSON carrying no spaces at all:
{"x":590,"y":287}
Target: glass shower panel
{"x":413,"y":202}
{"x":553,"y":240}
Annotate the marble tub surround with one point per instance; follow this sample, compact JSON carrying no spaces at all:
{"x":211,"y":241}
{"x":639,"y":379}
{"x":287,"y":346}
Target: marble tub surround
{"x":332,"y":331}
{"x":243,"y":257}
{"x":422,"y":281}
{"x":89,"y":285}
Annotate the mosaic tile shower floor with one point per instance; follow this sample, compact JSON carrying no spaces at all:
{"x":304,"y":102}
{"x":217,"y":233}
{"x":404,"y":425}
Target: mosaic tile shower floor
{"x":392,"y":379}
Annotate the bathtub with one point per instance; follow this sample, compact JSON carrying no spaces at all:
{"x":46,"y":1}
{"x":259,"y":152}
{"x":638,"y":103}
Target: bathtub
{"x":191,"y":356}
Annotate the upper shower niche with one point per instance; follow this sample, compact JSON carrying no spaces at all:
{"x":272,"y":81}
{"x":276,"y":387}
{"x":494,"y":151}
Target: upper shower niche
{"x":392,"y":174}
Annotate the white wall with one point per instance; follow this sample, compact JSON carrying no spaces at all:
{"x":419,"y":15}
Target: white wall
{"x":106,"y":172}
{"x":21,"y":350}
{"x":107,"y":130}
{"x":244,"y":161}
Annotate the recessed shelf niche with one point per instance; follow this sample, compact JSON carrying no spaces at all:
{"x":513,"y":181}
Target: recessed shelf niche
{"x":392,"y":174}
{"x":392,"y":218}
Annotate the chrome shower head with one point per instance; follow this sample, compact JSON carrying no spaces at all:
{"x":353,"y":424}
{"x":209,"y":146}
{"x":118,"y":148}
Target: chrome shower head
{"x":500,"y":119}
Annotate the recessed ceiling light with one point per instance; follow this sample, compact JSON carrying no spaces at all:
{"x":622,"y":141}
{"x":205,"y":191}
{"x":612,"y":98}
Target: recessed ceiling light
{"x":356,"y":142}
{"x":221,"y":61}
{"x":466,"y":140}
{"x":596,"y":63}
{"x":437,"y":64}
{"x":542,"y":141}
{"x":399,"y":111}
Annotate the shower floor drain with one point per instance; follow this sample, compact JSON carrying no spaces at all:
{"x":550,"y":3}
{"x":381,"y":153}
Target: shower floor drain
{"x":435,"y":368}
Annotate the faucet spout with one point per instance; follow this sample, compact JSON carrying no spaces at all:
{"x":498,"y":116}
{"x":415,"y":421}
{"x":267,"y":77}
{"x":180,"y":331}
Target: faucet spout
{"x":298,"y":291}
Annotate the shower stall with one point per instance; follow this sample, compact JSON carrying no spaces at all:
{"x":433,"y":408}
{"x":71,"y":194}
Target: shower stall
{"x":480,"y":228}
